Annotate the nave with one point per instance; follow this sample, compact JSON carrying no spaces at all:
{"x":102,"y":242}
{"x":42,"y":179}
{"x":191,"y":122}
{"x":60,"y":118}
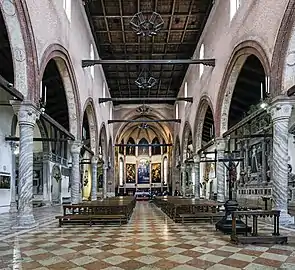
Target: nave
{"x":149,"y":241}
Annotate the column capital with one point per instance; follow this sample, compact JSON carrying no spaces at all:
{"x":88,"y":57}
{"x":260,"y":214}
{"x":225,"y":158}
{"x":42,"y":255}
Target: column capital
{"x":94,"y":160}
{"x":196,"y":158}
{"x":76,"y":147}
{"x":281,"y":108}
{"x":183,"y":167}
{"x":26,"y":111}
{"x":221,"y":143}
{"x":105,"y":167}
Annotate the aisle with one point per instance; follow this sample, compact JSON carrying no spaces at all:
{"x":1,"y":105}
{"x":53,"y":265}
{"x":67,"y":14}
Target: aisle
{"x":149,"y":241}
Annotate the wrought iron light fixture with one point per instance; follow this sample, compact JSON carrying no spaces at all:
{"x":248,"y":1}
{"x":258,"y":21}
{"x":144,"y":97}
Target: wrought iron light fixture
{"x":143,"y":126}
{"x":147,"y":27}
{"x":143,"y":109}
{"x":145,"y":80}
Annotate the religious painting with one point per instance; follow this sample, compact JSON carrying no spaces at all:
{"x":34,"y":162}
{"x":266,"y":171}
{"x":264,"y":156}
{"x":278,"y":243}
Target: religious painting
{"x":130,"y":173}
{"x":156,"y":172}
{"x":144,"y":172}
{"x":4,"y":182}
{"x":209,"y":171}
{"x":99,"y":177}
{"x":255,"y":158}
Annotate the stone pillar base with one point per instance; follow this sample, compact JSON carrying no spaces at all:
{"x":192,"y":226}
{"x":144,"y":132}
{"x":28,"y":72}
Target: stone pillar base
{"x":25,"y":222}
{"x":286,"y":219}
{"x":13,"y":208}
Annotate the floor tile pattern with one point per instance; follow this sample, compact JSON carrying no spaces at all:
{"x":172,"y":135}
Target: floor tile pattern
{"x":150,"y":241}
{"x":43,"y":215}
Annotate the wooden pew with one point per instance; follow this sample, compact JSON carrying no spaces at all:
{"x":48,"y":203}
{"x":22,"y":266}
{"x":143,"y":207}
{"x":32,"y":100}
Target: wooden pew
{"x":183,"y":209}
{"x":108,"y":210}
{"x":255,"y":238}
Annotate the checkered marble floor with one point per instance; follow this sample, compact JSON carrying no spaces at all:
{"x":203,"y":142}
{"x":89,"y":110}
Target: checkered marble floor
{"x":149,"y":241}
{"x":43,"y":215}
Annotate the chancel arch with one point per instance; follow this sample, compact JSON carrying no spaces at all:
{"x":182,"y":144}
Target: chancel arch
{"x":143,"y":163}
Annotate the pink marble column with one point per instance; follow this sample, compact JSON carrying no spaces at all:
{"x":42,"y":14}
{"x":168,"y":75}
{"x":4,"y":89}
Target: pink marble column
{"x":27,"y":114}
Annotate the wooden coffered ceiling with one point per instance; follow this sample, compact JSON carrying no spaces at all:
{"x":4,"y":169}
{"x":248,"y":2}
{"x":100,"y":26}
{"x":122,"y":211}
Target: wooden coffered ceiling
{"x":184,"y":21}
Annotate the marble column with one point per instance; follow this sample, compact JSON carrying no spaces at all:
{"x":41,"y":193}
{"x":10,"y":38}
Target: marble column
{"x":27,"y":115}
{"x":280,"y":111}
{"x":183,"y":177}
{"x":94,"y":161}
{"x":46,"y":180}
{"x":196,"y":175}
{"x":105,"y":182}
{"x":13,"y":205}
{"x":75,"y":172}
{"x":220,"y":147}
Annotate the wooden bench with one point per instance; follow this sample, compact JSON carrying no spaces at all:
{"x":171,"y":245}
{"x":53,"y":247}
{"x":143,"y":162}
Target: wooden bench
{"x":255,"y":238}
{"x":201,"y":216}
{"x":117,"y":209}
{"x":89,"y":219}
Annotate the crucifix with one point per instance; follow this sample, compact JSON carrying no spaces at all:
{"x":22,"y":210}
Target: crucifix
{"x":232,"y":171}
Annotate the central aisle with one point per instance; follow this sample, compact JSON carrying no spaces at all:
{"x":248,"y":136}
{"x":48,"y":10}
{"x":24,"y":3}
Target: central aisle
{"x":149,"y":241}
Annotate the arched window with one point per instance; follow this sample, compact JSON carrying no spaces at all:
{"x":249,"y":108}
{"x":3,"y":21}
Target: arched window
{"x":176,"y":111}
{"x":165,"y":165}
{"x":104,"y":92}
{"x":67,"y":7}
{"x":234,"y":6}
{"x":185,"y":91}
{"x":156,"y":150}
{"x":121,"y":172}
{"x":92,"y":58}
{"x":202,"y":55}
{"x":130,"y":150}
{"x":143,"y":150}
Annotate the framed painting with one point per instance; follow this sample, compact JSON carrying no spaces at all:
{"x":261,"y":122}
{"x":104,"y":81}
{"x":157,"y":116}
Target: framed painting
{"x":156,"y":172}
{"x":130,"y":173}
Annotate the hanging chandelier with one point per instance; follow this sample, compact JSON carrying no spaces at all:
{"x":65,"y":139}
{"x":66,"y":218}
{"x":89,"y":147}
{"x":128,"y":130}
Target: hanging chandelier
{"x":145,"y":80}
{"x":147,"y":27}
{"x":143,"y":126}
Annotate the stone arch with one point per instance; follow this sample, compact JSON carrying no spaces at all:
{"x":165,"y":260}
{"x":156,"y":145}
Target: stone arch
{"x":281,"y":49}
{"x":60,"y":55}
{"x":22,"y":46}
{"x":204,"y":103}
{"x":187,"y":131}
{"x":103,"y":143}
{"x":92,"y":121}
{"x":231,"y":74}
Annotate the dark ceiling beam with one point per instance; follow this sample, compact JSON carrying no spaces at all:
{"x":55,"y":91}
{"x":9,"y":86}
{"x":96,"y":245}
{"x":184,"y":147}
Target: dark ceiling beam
{"x":162,"y":15}
{"x":122,"y":55}
{"x":145,"y":121}
{"x":16,"y":139}
{"x":143,"y":145}
{"x":150,"y":100}
{"x":193,"y":43}
{"x":206,"y":62}
{"x":57,"y":125}
{"x":8,"y":87}
{"x":131,"y":31}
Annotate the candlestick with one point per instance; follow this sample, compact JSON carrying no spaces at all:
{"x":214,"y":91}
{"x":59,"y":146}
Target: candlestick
{"x":261,"y":88}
